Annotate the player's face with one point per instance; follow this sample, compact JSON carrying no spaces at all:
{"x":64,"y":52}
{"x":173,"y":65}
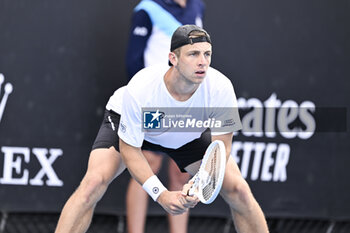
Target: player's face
{"x":193,"y":61}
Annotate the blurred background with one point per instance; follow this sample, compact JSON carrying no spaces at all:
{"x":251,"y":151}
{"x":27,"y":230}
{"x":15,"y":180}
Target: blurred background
{"x":61,"y":60}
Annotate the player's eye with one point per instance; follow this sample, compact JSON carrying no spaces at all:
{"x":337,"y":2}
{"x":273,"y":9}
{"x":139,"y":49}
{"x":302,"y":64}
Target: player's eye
{"x":193,"y":54}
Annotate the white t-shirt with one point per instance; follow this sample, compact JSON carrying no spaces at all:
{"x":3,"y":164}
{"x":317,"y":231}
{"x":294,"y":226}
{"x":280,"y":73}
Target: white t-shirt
{"x":148,"y":90}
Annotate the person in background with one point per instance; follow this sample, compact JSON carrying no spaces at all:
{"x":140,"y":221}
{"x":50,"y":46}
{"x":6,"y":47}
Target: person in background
{"x":153,"y":23}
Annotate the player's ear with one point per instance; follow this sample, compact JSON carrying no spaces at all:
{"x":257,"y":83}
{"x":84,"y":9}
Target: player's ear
{"x":173,"y":58}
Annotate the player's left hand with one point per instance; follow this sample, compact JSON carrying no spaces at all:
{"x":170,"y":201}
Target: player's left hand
{"x":188,"y":201}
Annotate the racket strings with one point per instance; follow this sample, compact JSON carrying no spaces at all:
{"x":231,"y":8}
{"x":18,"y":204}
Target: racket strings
{"x":211,"y":185}
{"x":195,"y":180}
{"x":208,"y":180}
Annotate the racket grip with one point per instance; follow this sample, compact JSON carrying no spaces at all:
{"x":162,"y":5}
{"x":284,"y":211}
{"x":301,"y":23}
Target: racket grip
{"x":194,"y":179}
{"x":190,"y":192}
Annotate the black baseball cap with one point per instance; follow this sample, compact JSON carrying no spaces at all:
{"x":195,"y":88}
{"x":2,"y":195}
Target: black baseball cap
{"x":181,"y":36}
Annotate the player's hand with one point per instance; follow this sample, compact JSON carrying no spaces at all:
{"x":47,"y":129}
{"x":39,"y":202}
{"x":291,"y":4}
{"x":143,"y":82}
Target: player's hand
{"x":191,"y":201}
{"x":173,"y":202}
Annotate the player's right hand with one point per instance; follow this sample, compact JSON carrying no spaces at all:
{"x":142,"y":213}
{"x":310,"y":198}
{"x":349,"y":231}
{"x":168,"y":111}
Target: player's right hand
{"x":173,"y":202}
{"x":192,"y":201}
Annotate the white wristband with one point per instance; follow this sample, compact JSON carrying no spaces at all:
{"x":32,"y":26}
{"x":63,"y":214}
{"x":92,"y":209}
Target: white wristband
{"x":153,"y":187}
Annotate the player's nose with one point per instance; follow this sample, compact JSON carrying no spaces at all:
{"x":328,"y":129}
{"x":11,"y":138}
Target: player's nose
{"x":202,"y":60}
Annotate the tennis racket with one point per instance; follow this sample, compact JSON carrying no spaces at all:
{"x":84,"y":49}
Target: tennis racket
{"x":208,"y":180}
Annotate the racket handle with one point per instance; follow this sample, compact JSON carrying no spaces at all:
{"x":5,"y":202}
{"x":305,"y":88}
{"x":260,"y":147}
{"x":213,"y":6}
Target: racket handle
{"x":194,"y":179}
{"x":190,"y":192}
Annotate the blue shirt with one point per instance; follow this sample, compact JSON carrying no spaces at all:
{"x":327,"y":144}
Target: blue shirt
{"x":153,"y":23}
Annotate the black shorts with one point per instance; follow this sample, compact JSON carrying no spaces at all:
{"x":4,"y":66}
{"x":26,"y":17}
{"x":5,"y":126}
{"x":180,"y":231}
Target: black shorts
{"x":183,"y":156}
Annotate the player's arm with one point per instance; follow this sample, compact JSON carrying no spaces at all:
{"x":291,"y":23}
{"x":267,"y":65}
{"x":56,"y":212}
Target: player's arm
{"x":135,"y":162}
{"x":227,"y":139}
{"x":173,"y":202}
{"x":227,"y":111}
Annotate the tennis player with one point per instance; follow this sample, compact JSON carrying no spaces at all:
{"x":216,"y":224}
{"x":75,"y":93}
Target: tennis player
{"x":121,"y":142}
